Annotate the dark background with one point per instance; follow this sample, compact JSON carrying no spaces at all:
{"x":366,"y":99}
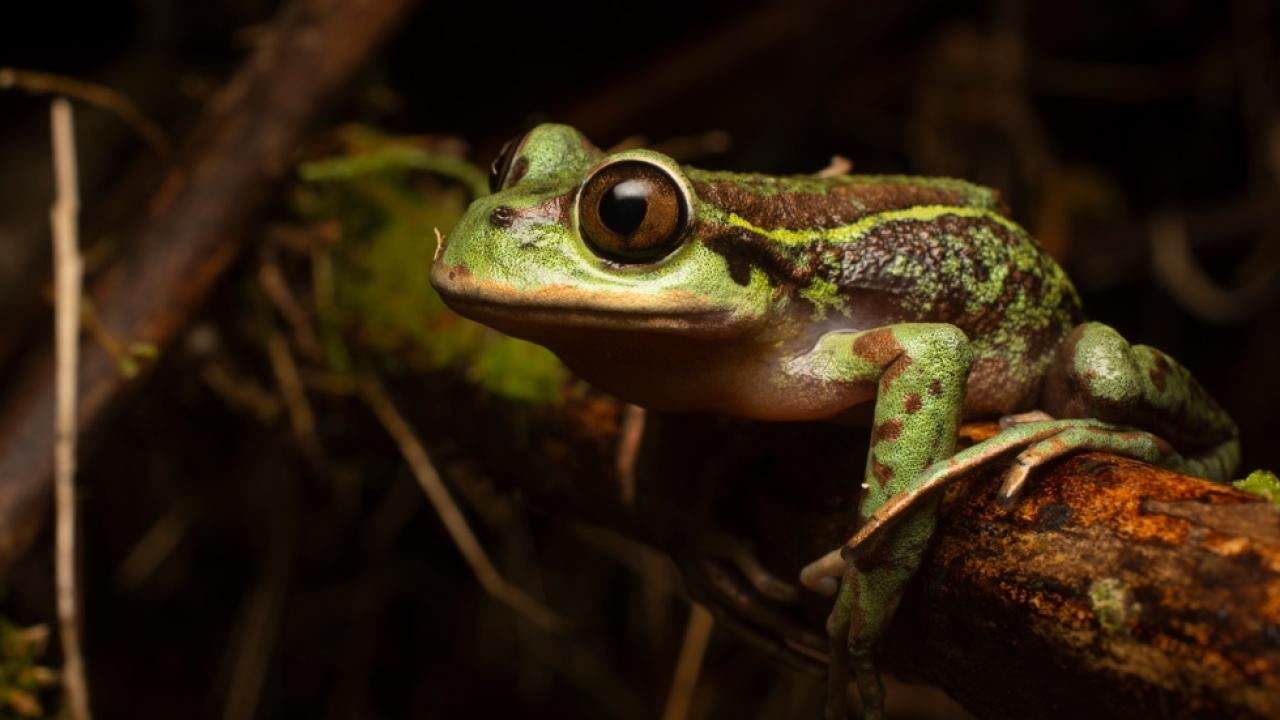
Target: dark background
{"x":1094,"y":119}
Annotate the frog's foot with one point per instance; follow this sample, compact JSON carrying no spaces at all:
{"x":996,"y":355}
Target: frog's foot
{"x":822,"y":575}
{"x":1030,"y":416}
{"x":1125,"y":442}
{"x":1040,"y":442}
{"x":850,"y":655}
{"x":740,"y":555}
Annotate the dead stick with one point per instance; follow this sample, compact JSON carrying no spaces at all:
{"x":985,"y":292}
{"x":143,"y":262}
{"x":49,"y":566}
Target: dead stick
{"x":191,"y":231}
{"x":685,"y":681}
{"x":454,"y":521}
{"x":67,"y":268}
{"x":94,"y":94}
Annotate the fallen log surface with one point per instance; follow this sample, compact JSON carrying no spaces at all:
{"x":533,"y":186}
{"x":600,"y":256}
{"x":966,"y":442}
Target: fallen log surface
{"x":1112,"y":589}
{"x":191,"y":231}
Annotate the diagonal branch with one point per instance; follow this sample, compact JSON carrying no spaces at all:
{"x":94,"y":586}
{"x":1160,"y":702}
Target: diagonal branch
{"x":191,"y":231}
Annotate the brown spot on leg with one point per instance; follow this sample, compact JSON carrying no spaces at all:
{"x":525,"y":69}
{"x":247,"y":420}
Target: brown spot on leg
{"x":935,"y":388}
{"x":896,"y":368}
{"x":878,"y":347}
{"x":883,"y":472}
{"x":912,"y":404}
{"x":888,"y":430}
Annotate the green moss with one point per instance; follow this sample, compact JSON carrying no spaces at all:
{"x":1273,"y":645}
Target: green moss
{"x":373,"y":285}
{"x":1113,"y":605}
{"x":1261,"y":482}
{"x":824,"y":295}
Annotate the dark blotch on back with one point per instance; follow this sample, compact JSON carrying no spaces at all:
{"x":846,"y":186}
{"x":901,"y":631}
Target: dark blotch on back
{"x":864,"y":270}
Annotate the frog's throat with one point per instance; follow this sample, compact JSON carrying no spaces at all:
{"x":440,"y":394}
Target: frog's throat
{"x":522,"y":312}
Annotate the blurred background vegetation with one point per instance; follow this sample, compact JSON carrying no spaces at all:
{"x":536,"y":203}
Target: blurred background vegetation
{"x":241,"y":562}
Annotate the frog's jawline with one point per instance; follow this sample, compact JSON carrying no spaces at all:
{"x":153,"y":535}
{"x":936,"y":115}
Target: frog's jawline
{"x":524,"y":320}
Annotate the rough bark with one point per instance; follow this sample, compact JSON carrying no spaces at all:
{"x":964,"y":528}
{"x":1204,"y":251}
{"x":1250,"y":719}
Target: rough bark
{"x":1113,"y":589}
{"x":190,"y":232}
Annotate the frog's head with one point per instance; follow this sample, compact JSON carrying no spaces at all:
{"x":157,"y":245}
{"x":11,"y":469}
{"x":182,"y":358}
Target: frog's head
{"x":573,"y":241}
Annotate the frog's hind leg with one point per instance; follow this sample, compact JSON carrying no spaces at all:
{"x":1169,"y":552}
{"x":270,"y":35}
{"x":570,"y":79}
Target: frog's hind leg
{"x":1098,"y":374}
{"x":1118,"y":441}
{"x":1106,"y":388}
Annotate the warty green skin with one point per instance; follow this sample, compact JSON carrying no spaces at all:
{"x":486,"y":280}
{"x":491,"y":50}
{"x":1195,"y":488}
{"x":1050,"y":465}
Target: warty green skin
{"x":912,"y":303}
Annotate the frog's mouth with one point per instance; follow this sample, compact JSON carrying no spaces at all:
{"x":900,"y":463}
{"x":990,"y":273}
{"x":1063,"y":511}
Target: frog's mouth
{"x":511,"y":309}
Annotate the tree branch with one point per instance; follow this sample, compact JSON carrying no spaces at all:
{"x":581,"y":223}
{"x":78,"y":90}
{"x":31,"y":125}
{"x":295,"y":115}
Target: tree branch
{"x":191,"y":230}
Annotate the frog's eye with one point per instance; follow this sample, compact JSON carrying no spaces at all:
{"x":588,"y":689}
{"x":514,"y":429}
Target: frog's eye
{"x":501,"y":166}
{"x":632,"y":211}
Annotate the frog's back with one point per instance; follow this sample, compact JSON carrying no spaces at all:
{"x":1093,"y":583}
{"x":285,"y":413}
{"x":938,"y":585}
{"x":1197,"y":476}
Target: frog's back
{"x":867,"y":251}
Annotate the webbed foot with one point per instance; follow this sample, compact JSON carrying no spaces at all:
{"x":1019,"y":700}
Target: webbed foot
{"x":1125,"y":442}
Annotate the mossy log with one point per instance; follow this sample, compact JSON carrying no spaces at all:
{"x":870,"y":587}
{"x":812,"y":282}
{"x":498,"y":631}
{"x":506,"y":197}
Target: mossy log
{"x":1112,"y":589}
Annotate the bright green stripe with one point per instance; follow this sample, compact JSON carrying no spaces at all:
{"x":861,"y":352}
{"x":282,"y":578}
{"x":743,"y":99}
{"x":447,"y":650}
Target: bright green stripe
{"x":856,"y":231}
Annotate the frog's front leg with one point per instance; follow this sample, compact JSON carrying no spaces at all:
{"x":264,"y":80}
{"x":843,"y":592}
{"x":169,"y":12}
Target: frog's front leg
{"x":918,"y":373}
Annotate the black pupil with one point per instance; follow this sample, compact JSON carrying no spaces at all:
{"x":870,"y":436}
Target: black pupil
{"x":623,"y":207}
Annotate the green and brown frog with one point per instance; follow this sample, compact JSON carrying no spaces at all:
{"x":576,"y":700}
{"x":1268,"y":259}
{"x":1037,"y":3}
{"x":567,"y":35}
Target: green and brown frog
{"x":908,"y":303}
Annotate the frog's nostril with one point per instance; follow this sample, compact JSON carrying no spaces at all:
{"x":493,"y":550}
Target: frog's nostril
{"x":502,"y":216}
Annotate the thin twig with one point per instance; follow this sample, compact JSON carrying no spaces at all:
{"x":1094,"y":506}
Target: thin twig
{"x":685,"y":682}
{"x":301,"y":419}
{"x":272,"y":281}
{"x":258,"y":623}
{"x":454,"y":521}
{"x":1175,"y":267}
{"x":68,"y":268}
{"x":630,"y":436}
{"x":94,"y":94}
{"x":155,"y":546}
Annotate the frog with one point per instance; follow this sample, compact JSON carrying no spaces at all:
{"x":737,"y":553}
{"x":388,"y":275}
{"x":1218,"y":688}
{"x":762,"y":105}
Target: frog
{"x":899,"y":304}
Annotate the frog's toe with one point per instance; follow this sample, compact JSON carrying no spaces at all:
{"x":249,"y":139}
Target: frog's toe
{"x":823,"y":575}
{"x":1031,"y":416}
{"x":1134,"y":444}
